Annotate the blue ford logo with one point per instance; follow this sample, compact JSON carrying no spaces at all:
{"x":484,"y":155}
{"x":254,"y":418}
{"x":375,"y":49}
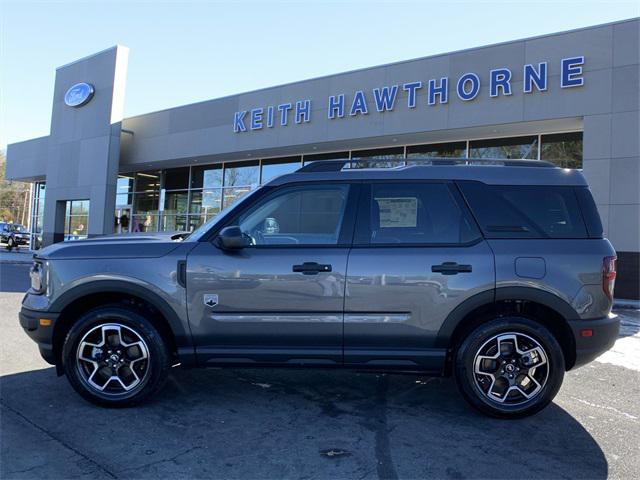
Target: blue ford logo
{"x":79,"y":94}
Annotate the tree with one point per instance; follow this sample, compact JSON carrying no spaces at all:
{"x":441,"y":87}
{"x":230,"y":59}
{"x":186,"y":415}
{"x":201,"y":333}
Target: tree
{"x":14,"y":197}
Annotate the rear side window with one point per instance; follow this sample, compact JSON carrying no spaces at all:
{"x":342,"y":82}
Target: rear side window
{"x":523,"y":211}
{"x":415,"y":213}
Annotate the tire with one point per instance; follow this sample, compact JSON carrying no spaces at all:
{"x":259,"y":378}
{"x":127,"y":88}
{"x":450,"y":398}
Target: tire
{"x":528,"y":354}
{"x":115,"y":340}
{"x":10,"y":244}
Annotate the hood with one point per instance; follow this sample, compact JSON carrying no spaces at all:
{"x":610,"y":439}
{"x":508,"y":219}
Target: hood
{"x":134,"y":245}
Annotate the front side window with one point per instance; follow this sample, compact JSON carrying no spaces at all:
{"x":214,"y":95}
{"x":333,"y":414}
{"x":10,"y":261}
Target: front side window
{"x":309,"y":215}
{"x":416,"y":213}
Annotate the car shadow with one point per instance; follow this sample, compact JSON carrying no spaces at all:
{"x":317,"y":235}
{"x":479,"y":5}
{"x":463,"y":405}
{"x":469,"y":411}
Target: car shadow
{"x":268,"y":423}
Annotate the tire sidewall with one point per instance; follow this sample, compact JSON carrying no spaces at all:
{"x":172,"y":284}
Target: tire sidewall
{"x":464,"y":368}
{"x":158,"y":364}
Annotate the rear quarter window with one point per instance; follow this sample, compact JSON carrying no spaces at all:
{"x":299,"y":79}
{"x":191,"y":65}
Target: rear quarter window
{"x":589,"y":212}
{"x":524,"y":211}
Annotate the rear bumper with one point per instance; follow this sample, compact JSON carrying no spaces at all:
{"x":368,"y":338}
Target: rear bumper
{"x":604,"y":335}
{"x":42,"y":335}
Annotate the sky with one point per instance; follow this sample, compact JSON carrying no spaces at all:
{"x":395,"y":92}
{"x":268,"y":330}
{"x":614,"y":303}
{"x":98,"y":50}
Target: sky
{"x":188,"y":51}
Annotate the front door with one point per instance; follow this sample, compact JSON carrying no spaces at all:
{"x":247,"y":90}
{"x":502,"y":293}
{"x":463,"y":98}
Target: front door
{"x":279,"y":300}
{"x":417,"y":254}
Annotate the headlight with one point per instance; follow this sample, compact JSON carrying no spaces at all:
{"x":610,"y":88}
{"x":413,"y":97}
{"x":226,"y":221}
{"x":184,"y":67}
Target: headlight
{"x":38,"y":275}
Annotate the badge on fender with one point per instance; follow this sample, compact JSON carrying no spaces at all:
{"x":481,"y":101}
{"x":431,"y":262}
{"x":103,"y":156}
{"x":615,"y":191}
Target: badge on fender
{"x":210,"y":299}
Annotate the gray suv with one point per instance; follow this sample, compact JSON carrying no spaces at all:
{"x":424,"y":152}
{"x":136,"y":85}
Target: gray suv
{"x":494,"y":272}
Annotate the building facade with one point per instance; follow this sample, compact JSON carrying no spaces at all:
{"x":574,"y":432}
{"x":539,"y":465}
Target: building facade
{"x":571,"y":98}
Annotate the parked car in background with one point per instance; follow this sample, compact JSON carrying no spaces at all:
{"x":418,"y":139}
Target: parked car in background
{"x":497,"y":274}
{"x":13,"y":235}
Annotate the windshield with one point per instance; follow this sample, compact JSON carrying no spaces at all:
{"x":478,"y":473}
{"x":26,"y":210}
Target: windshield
{"x":17,"y":228}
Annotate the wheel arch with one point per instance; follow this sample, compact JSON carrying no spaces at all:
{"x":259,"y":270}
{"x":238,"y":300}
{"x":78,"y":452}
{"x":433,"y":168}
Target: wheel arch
{"x":541,"y":306}
{"x":92,"y":295}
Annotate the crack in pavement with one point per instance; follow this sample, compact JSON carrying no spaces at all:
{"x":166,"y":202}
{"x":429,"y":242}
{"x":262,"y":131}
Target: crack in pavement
{"x":100,"y":467}
{"x":385,"y":466}
{"x":25,"y":470}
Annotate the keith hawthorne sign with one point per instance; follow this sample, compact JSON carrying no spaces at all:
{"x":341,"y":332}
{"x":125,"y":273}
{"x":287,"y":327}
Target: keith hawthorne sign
{"x":435,"y":91}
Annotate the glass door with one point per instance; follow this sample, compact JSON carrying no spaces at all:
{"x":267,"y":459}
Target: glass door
{"x":122,"y":221}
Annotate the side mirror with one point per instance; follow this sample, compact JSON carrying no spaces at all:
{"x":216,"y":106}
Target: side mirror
{"x":231,"y":238}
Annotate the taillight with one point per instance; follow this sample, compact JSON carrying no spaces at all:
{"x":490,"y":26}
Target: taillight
{"x":608,"y":275}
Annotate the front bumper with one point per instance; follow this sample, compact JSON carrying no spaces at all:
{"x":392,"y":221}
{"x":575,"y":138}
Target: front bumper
{"x":42,"y":335}
{"x":604,"y":332}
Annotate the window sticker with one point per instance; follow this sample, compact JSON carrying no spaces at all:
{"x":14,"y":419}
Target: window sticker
{"x":398,"y":212}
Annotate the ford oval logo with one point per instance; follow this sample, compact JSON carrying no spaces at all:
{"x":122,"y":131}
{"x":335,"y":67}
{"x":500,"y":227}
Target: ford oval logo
{"x":79,"y":94}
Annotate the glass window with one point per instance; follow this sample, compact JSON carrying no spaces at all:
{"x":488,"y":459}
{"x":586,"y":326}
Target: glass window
{"x":505,"y":148}
{"x":176,"y":202}
{"x":278,"y":166}
{"x":206,"y":202}
{"x":240,"y":174}
{"x":232,"y":195}
{"x":589,"y":212}
{"x":563,"y":149}
{"x":310,"y":215}
{"x":76,"y":219}
{"x":37,"y":215}
{"x":506,"y":211}
{"x":124,"y":188}
{"x":420,"y":213}
{"x":146,"y":202}
{"x":145,"y":223}
{"x":379,"y":157}
{"x":175,"y":223}
{"x":316,"y":157}
{"x":147,"y":181}
{"x":453,"y":149}
{"x":176,"y":178}
{"x":206,"y":176}
{"x":79,"y":207}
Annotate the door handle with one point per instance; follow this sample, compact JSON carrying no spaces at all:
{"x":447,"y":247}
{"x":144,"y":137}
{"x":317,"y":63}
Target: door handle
{"x":450,"y":268}
{"x":311,"y":268}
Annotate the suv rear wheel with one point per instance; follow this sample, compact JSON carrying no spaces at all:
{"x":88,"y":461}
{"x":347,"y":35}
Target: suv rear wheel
{"x":510,"y":367}
{"x":113,"y":356}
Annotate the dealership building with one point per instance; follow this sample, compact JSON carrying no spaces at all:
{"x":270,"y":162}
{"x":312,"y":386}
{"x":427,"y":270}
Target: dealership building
{"x":571,"y":98}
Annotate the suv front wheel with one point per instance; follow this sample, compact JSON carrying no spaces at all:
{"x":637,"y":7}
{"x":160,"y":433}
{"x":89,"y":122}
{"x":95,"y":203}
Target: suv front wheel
{"x":114,"y":356}
{"x":510,"y":367}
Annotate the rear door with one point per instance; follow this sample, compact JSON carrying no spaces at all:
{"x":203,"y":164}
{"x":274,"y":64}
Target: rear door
{"x":417,"y":255}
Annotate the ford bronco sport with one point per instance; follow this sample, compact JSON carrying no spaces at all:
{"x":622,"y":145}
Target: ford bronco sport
{"x":495,"y":272}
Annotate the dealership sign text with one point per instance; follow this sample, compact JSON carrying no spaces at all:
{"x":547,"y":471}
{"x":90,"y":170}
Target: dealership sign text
{"x":433,"y":92}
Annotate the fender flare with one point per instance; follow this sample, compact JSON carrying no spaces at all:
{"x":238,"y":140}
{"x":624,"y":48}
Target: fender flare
{"x":179,"y":329}
{"x":492,"y":296}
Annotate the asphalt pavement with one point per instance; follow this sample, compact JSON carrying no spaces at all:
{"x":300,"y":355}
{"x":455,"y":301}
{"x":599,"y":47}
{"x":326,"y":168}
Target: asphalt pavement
{"x":313,"y":424}
{"x":14,"y":277}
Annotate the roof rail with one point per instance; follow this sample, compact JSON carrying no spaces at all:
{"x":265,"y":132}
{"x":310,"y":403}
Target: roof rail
{"x":337,"y":165}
